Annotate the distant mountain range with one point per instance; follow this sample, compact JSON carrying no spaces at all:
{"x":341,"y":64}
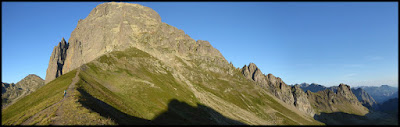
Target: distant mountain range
{"x":313,"y":87}
{"x":381,"y":93}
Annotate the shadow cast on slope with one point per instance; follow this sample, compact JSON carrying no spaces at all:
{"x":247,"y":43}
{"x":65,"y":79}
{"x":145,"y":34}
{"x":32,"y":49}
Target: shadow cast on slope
{"x":178,"y":113}
{"x":107,"y":111}
{"x":341,"y":118}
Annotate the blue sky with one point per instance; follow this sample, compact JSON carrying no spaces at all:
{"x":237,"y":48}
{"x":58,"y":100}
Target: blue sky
{"x":326,"y":43}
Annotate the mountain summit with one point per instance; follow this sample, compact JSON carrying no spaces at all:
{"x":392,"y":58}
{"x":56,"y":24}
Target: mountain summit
{"x":117,"y":26}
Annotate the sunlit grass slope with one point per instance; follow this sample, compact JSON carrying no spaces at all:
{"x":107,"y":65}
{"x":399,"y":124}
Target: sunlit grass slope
{"x":133,"y":87}
{"x":37,"y":101}
{"x":141,"y":87}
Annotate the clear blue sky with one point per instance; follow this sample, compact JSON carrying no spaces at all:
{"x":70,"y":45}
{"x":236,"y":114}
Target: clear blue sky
{"x":327,"y":43}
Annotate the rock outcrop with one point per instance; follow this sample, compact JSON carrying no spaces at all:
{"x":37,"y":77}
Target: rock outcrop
{"x":291,"y":95}
{"x":343,"y":100}
{"x":345,"y":91}
{"x":56,"y":62}
{"x":361,"y":95}
{"x":332,"y":99}
{"x":301,"y":100}
{"x":10,"y":93}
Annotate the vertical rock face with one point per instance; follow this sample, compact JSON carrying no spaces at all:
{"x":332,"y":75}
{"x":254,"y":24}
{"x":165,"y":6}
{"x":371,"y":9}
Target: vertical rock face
{"x":56,"y":62}
{"x":301,"y":101}
{"x":280,"y":89}
{"x":290,"y":95}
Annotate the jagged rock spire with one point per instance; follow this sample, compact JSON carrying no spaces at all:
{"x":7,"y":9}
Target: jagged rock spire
{"x":56,"y":61}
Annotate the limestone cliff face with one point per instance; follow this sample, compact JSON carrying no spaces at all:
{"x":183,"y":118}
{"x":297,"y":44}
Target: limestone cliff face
{"x":117,"y":26}
{"x":290,"y":95}
{"x":56,"y":62}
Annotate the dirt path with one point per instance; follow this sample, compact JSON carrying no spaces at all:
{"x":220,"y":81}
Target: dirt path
{"x":59,"y":111}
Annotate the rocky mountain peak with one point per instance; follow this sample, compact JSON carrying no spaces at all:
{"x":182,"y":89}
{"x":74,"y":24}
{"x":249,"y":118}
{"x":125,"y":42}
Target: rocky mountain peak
{"x":30,"y":80}
{"x":345,"y":91}
{"x":56,"y":61}
{"x":117,"y":26}
{"x":291,"y":95}
{"x":252,"y":72}
{"x":12,"y":92}
{"x":124,"y":10}
{"x":343,"y":88}
{"x":33,"y":76}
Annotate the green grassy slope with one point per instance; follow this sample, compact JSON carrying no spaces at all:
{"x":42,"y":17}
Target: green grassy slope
{"x":133,"y":87}
{"x":142,"y":88}
{"x":36,"y":101}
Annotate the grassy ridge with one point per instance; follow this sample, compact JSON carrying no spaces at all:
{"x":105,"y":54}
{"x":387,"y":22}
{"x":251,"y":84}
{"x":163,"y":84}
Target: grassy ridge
{"x":134,"y":89}
{"x":37,"y":101}
{"x":131,"y":86}
{"x":245,"y":94}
